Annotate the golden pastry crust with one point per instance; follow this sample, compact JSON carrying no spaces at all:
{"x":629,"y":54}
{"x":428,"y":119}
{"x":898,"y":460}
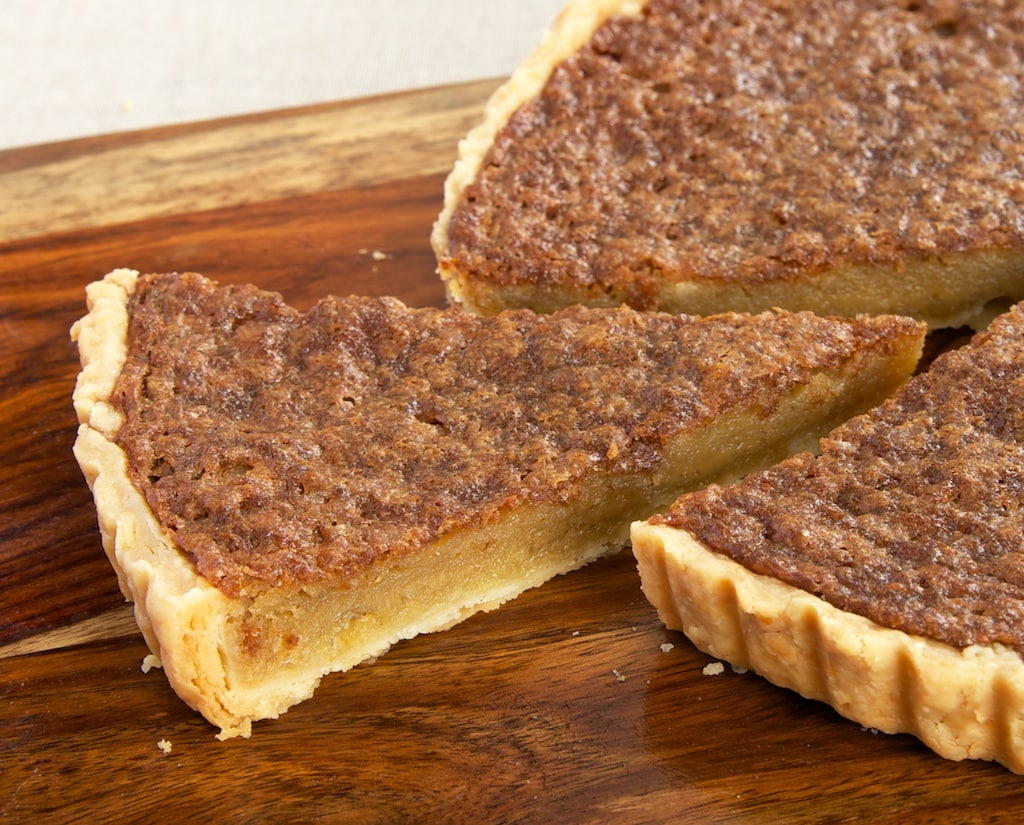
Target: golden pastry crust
{"x":211,"y":461}
{"x":841,"y":157}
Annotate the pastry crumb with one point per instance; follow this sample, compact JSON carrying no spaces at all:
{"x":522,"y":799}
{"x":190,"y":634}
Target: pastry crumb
{"x":164,"y":745}
{"x":714,"y":669}
{"x":619,"y":677}
{"x":149,"y":662}
{"x":665,"y":648}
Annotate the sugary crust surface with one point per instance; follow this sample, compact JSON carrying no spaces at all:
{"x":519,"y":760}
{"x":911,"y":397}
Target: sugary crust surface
{"x":247,"y":654}
{"x":765,"y":148}
{"x":963,"y":703}
{"x":363,"y":427}
{"x":905,"y":534}
{"x":574,"y":26}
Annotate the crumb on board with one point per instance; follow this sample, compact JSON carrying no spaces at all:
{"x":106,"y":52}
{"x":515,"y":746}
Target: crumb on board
{"x":666,"y":647}
{"x":714,"y":669}
{"x":149,"y":662}
{"x":619,"y":677}
{"x":164,"y":745}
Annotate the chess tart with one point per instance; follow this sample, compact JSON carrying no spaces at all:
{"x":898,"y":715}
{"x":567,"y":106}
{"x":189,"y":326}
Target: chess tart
{"x":884,"y":576}
{"x":284,"y":494}
{"x":838,"y":156}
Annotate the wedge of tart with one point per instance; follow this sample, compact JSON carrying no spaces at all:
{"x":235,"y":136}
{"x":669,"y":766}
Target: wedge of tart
{"x":839,"y":156}
{"x":885,"y":576}
{"x":284,"y":494}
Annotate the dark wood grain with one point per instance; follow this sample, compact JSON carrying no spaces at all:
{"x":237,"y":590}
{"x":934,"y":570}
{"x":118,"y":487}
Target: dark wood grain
{"x":570,"y":704}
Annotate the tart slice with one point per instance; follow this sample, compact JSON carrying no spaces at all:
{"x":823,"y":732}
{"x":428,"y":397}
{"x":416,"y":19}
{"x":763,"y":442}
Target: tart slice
{"x":839,"y":156}
{"x":284,"y":494}
{"x":885,"y":576}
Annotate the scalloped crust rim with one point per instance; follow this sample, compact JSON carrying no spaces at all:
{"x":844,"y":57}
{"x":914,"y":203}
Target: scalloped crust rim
{"x":963,"y":704}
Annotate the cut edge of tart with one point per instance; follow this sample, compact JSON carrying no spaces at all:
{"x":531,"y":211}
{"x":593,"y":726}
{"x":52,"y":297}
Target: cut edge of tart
{"x":948,"y":291}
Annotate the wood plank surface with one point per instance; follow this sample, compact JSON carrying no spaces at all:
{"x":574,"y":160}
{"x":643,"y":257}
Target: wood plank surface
{"x":570,"y":704}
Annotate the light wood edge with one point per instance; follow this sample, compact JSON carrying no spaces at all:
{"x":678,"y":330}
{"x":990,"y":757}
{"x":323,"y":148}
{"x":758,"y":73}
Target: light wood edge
{"x":964,"y":704}
{"x":112,"y":625}
{"x":240,"y":161}
{"x":571,"y":30}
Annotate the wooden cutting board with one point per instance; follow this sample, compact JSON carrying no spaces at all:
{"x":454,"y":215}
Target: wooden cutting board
{"x":570,"y":704}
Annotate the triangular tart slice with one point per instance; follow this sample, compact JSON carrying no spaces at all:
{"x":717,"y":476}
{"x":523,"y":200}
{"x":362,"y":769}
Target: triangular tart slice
{"x":839,"y":156}
{"x":285,"y":494}
{"x":884,"y":576}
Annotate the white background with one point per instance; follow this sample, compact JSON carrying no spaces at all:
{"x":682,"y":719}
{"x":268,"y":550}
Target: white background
{"x":74,"y":68}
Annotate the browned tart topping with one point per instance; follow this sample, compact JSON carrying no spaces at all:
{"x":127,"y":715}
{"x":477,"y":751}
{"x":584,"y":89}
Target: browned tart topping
{"x":744,"y":138}
{"x":914,"y":514}
{"x":280,"y":446}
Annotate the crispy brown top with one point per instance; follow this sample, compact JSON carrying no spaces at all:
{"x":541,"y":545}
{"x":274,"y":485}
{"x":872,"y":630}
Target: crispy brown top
{"x":746,"y":139}
{"x":281,"y":446}
{"x":914,"y":514}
